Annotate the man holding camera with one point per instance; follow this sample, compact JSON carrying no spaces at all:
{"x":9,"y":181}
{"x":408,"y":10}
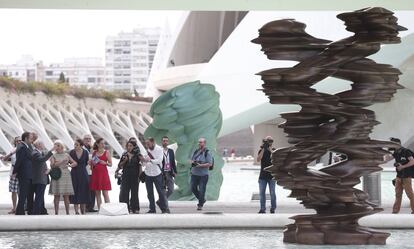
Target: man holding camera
{"x":404,"y":160}
{"x":168,"y":166}
{"x":201,"y":161}
{"x":265,"y":178}
{"x":154,"y":176}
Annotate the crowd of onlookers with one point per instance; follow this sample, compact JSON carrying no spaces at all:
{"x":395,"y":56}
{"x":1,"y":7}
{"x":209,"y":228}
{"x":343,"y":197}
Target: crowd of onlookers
{"x":80,"y":176}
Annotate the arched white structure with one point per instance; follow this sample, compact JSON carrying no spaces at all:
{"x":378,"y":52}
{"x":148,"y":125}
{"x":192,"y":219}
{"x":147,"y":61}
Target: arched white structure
{"x":66,"y":118}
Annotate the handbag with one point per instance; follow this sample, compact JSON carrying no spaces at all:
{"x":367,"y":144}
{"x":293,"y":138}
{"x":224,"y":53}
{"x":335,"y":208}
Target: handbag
{"x":55,"y":173}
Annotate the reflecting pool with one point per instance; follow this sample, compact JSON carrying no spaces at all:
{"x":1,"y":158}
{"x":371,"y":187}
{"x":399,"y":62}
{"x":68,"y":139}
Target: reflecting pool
{"x":182,"y":239}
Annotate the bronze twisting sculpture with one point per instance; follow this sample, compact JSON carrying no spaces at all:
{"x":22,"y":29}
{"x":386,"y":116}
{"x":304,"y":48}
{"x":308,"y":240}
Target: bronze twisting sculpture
{"x":326,"y":122}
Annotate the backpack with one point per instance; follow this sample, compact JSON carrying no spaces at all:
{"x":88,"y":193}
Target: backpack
{"x":205,"y":156}
{"x":212,"y":160}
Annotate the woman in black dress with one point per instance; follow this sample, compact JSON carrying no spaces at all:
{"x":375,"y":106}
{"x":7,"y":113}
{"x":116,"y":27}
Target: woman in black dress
{"x":131,"y":169}
{"x":80,"y":179}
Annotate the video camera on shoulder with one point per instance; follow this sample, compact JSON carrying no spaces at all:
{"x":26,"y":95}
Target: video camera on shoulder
{"x":266,"y":143}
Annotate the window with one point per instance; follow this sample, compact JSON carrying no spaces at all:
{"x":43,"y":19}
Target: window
{"x":91,"y":80}
{"x":140,"y":57}
{"x":140,"y":64}
{"x":49,"y":73}
{"x":139,"y":42}
{"x":137,"y":50}
{"x":122,"y":43}
{"x":139,"y":71}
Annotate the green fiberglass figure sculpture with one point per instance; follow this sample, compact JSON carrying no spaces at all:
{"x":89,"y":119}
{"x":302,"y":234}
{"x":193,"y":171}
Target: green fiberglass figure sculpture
{"x":184,"y":114}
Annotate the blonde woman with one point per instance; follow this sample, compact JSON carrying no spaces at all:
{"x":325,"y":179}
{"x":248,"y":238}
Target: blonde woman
{"x":61,"y":183}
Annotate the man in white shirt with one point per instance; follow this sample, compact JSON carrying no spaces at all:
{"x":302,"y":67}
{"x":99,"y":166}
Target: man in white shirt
{"x":154,"y":176}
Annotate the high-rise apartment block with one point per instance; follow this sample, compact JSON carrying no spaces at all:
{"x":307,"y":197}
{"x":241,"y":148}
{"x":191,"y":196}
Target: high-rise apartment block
{"x":129,"y":57}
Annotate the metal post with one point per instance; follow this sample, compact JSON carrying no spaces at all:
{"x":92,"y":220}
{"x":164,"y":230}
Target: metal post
{"x":372,"y":186}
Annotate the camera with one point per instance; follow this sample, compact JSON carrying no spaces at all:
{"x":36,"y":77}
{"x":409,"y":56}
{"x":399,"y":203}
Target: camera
{"x":195,"y":163}
{"x":124,"y":156}
{"x":118,"y":176}
{"x":266,"y":143}
{"x":136,"y":150}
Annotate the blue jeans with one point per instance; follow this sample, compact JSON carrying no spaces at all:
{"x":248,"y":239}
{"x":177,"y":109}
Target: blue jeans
{"x":158,"y":181}
{"x":198,"y":187}
{"x":262,"y":191}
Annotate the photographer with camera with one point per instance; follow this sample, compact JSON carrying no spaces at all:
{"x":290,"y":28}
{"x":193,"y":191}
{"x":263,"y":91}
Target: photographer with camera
{"x":201,"y":162}
{"x":168,"y":166}
{"x":404,"y":162}
{"x":130,"y":164}
{"x":265,"y":178}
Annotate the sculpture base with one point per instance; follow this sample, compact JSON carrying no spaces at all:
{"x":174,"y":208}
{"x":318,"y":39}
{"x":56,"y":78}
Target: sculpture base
{"x":332,"y":233}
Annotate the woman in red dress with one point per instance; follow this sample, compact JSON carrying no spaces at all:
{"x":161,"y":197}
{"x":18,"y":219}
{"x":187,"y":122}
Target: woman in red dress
{"x":100,"y":183}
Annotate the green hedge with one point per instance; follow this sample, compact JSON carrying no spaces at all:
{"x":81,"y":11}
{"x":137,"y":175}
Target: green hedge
{"x":64,"y":89}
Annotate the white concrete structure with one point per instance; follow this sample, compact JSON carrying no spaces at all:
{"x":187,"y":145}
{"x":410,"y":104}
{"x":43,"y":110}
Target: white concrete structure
{"x":129,"y":57}
{"x":230,"y":62}
{"x":25,"y":69}
{"x":180,"y":221}
{"x":82,"y":71}
{"x":69,"y":118}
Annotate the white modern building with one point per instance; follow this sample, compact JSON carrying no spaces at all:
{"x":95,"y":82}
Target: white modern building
{"x":25,"y":69}
{"x":129,"y":57}
{"x":82,"y":71}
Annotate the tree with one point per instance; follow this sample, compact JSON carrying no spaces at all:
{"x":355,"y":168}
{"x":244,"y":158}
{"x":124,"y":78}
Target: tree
{"x":62,"y":78}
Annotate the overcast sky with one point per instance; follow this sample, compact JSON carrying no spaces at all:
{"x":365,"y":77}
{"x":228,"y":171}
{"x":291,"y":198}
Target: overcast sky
{"x":52,"y":35}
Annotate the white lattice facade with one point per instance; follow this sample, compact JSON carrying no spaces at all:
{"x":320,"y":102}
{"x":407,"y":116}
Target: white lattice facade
{"x":69,"y":118}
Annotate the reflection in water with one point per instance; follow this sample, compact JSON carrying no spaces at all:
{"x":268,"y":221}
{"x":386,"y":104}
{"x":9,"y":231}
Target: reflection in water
{"x":182,"y":239}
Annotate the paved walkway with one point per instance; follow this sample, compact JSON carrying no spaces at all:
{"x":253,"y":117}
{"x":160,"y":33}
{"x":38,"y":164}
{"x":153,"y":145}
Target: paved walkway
{"x":189,"y":207}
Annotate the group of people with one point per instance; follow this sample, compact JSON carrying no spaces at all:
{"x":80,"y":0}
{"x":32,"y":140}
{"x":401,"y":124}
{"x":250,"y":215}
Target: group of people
{"x":160,"y":171}
{"x":70,"y":174}
{"x":80,"y":175}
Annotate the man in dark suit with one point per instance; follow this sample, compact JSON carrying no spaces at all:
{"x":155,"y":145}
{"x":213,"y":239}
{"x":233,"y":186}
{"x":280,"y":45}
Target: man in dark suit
{"x":23,"y":170}
{"x":40,"y":178}
{"x":168,"y":166}
{"x":87,"y":145}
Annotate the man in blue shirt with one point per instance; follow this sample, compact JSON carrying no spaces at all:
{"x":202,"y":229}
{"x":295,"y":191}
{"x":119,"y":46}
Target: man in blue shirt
{"x":201,"y":161}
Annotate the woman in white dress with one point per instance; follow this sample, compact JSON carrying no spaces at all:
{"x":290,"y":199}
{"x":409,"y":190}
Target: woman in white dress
{"x":62,"y":186}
